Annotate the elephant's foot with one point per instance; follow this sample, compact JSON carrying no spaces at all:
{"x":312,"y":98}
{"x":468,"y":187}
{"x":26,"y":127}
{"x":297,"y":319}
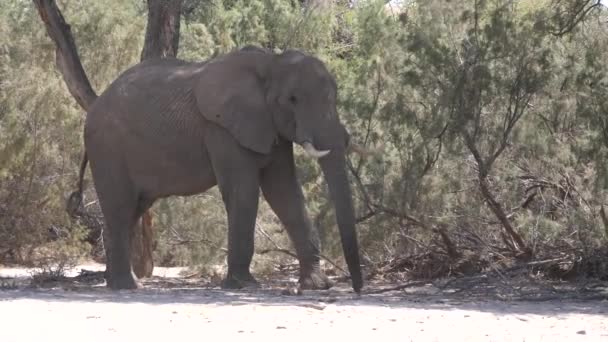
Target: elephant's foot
{"x":236,"y":281}
{"x":315,"y":280}
{"x":124,"y":282}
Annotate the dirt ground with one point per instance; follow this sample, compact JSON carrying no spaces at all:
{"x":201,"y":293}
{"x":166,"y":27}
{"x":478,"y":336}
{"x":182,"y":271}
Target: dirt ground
{"x":172,"y":307}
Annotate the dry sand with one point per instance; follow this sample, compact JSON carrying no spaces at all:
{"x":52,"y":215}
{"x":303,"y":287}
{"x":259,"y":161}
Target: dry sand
{"x":169,"y":313}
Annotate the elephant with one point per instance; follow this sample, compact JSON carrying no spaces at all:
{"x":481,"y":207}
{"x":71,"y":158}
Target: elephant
{"x":167,"y":127}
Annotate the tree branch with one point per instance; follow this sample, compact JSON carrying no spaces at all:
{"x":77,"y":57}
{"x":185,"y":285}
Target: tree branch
{"x":577,"y":12}
{"x":280,"y":249}
{"x":66,"y":53}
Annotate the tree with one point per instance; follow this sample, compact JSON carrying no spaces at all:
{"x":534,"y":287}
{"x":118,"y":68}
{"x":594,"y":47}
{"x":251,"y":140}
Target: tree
{"x":162,"y":40}
{"x":568,"y":14}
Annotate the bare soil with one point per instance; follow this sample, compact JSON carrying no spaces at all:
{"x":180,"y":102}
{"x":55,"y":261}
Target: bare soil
{"x":171,"y":307}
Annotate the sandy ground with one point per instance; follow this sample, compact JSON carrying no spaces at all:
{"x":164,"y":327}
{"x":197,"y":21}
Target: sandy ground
{"x":93,"y":313}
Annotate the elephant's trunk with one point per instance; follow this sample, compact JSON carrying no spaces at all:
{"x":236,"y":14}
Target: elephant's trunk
{"x":334,"y":169}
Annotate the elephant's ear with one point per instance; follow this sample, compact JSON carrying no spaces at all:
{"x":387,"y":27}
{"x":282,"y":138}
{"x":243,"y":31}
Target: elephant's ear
{"x":231,"y":93}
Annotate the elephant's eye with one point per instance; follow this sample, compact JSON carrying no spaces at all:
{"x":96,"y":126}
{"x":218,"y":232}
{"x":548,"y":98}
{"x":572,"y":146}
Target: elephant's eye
{"x":293,"y":99}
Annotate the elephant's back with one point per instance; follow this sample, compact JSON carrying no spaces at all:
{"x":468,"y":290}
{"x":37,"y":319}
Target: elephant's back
{"x":153,"y":80}
{"x":157,"y":73}
{"x":153,"y":100}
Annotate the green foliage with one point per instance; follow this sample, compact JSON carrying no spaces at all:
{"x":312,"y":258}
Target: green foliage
{"x":40,"y":123}
{"x":450,"y":91}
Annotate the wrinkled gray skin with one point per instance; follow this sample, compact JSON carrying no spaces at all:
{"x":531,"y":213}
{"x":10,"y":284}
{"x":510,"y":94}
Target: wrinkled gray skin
{"x":168,"y":127}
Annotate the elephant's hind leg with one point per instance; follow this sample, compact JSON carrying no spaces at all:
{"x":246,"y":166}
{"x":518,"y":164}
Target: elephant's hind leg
{"x":119,"y":204}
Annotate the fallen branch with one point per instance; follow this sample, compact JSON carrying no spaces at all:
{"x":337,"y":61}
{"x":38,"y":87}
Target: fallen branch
{"x":398,"y":287}
{"x":280,"y":249}
{"x":545,"y":262}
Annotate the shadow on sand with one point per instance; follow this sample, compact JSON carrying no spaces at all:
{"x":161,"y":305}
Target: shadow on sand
{"x":478,"y":294}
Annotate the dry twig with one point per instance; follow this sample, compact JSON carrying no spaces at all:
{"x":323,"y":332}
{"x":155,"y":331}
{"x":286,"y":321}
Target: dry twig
{"x":398,"y":287}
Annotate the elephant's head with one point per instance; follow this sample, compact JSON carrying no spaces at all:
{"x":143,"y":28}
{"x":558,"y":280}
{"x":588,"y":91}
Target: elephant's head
{"x":259,"y":96}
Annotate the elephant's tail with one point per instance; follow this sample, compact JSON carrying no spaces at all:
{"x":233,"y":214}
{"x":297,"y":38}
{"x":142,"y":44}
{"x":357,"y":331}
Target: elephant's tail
{"x":75,"y":200}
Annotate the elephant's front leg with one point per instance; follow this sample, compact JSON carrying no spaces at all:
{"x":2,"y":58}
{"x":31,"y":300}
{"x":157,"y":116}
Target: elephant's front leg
{"x":237,"y":174}
{"x":284,"y":194}
{"x":241,"y":199}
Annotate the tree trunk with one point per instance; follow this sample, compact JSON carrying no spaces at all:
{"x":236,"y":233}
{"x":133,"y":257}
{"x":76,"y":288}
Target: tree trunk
{"x":162,"y":30}
{"x":162,"y":41}
{"x":502,"y":217}
{"x":142,"y":247}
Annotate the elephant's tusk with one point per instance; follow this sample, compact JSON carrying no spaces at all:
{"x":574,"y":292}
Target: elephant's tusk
{"x":313,"y":152}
